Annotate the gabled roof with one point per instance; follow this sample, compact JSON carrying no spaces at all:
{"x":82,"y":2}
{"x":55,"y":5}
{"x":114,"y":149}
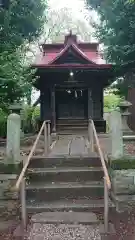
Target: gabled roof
{"x":56,"y":54}
{"x":73,"y":48}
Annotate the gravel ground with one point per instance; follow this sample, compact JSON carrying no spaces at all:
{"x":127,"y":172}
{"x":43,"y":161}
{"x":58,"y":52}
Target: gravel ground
{"x":129,"y":148}
{"x":63,"y":232}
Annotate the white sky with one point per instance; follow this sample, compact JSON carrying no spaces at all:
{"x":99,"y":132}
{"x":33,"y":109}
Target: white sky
{"x":74,"y":4}
{"x":78,"y":7}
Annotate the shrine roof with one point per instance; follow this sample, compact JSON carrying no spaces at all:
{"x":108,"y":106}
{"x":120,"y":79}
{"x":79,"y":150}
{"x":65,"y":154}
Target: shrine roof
{"x":88,"y":52}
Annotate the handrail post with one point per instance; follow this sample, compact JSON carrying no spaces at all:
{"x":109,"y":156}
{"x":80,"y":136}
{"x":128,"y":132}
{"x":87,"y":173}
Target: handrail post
{"x":106,"y":206}
{"x":91,"y":136}
{"x":49,"y":135}
{"x":45,"y":139}
{"x":23,"y":201}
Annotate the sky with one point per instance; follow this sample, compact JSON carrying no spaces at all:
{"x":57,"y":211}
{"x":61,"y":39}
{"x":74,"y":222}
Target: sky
{"x":78,"y":7}
{"x":74,"y":4}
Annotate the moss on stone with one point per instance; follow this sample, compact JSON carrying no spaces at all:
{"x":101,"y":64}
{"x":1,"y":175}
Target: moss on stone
{"x":119,"y":164}
{"x":10,"y":168}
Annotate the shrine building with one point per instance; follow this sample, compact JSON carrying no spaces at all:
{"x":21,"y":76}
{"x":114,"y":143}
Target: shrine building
{"x":72,"y":78}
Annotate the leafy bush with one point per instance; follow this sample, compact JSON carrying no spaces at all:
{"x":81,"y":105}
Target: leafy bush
{"x":30,"y":116}
{"x":26,"y":117}
{"x":3,"y":123}
{"x":111,"y":101}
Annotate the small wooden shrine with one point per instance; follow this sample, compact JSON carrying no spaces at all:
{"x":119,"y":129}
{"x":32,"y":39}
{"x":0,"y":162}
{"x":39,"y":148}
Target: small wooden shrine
{"x":72,"y":78}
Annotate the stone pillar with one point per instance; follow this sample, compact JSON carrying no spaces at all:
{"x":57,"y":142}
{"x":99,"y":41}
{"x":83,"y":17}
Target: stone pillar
{"x":53,"y":110}
{"x":116,"y":135}
{"x":90,"y":104}
{"x":13,"y":138}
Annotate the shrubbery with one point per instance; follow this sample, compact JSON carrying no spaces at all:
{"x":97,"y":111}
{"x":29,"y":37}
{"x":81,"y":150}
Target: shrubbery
{"x":3,"y":123}
{"x":29,"y":116}
{"x":111,"y":101}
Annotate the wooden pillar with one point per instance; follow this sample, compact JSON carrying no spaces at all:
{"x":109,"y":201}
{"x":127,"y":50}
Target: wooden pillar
{"x":102,"y":102}
{"x":90,"y":104}
{"x":53,"y":109}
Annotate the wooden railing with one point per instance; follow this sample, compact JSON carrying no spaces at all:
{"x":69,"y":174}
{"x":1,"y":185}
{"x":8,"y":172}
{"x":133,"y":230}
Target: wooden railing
{"x":93,"y":140}
{"x":20,"y":184}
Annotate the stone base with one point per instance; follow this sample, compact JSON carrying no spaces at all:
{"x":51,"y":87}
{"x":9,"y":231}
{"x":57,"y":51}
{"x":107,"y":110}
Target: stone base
{"x":111,"y":229}
{"x":54,"y":136}
{"x":65,"y":217}
{"x":21,"y":134}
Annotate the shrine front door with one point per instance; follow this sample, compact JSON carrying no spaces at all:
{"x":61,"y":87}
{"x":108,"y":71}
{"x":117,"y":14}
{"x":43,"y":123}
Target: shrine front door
{"x":71,"y":104}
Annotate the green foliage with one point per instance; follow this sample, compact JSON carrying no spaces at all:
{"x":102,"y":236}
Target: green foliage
{"x":116,"y":30}
{"x":30,"y":116}
{"x":26,"y":117}
{"x":15,"y":78}
{"x":3,"y":123}
{"x":111,"y":101}
{"x":21,"y":23}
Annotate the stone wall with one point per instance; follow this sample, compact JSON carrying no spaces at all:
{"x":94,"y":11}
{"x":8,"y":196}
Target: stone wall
{"x":123,"y":181}
{"x":9,"y":199}
{"x":122,"y":174}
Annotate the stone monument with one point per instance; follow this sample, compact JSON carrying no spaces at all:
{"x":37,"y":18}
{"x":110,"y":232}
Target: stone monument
{"x":117,"y":150}
{"x":124,"y":106}
{"x":13,"y":139}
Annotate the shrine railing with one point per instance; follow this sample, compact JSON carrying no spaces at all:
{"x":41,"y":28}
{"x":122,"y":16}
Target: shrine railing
{"x":94,"y":141}
{"x":20,"y":184}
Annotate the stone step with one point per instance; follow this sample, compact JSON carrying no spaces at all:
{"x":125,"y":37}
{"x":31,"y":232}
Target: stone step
{"x":76,"y":205}
{"x":111,"y":237}
{"x":74,"y":174}
{"x":62,"y":190}
{"x":64,"y":124}
{"x":65,"y":218}
{"x":71,"y":127}
{"x":70,"y":121}
{"x":72,"y":132}
{"x":67,"y":161}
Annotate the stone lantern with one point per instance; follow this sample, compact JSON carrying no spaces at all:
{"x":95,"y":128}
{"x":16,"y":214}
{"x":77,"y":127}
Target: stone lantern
{"x":124,"y":109}
{"x":16,"y":107}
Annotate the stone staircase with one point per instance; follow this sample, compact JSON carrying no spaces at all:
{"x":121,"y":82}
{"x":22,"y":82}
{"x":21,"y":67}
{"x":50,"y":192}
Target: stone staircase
{"x":67,"y":190}
{"x":70,"y":126}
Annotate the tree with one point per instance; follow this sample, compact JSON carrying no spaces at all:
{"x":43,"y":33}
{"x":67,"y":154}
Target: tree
{"x":116,"y":30}
{"x":21,"y":23}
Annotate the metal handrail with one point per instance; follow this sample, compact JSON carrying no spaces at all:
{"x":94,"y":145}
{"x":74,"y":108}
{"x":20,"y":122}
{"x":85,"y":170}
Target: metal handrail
{"x":106,"y":174}
{"x":22,"y":174}
{"x":107,"y":182}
